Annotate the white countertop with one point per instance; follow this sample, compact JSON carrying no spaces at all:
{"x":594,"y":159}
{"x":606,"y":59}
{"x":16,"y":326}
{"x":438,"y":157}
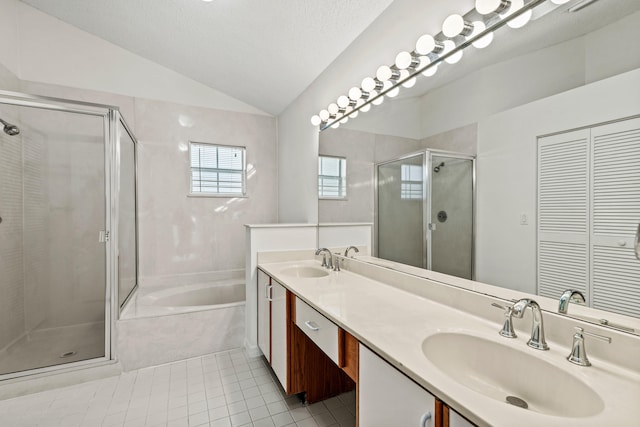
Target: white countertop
{"x":394,"y":323}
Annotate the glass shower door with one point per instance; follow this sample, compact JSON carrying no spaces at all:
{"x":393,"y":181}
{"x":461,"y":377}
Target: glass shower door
{"x":451,"y":215}
{"x":53,"y":204}
{"x":401,"y":197}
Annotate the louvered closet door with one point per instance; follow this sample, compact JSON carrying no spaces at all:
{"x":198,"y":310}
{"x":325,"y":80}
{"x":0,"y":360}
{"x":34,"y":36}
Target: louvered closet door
{"x":563,"y":213}
{"x":616,"y":214}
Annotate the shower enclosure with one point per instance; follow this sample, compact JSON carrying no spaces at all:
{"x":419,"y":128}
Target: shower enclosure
{"x":425,"y":211}
{"x":68,"y":245}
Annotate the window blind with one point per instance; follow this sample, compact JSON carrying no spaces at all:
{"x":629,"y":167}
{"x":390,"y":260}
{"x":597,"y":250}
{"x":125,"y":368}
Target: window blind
{"x":332,"y":177}
{"x":217,"y":169}
{"x":411,"y":179}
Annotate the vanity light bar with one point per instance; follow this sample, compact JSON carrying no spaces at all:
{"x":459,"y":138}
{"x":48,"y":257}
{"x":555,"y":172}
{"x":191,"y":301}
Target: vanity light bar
{"x":475,"y":28}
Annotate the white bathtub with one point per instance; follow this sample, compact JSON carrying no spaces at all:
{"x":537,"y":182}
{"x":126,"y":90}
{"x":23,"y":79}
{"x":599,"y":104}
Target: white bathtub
{"x":179,"y":322}
{"x":186,"y":298}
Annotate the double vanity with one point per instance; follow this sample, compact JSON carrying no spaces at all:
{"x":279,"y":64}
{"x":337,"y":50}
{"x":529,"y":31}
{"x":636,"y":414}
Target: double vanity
{"x":429,"y":352}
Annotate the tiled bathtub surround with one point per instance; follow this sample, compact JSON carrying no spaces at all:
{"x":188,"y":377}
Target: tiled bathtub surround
{"x":223,"y":389}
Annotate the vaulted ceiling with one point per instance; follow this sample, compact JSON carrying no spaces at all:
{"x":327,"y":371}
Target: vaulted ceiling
{"x":264,"y":53}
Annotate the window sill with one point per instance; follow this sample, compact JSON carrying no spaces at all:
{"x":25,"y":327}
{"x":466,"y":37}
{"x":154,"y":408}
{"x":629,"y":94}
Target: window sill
{"x":217,"y":196}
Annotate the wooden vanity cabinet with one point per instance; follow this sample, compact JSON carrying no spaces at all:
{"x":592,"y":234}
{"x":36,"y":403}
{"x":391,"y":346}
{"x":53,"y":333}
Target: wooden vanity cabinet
{"x":309,"y":353}
{"x":297,"y":361}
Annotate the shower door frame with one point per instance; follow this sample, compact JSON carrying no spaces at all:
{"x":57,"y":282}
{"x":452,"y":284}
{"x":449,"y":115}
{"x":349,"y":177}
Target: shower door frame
{"x":427,"y":166}
{"x":110,"y":116}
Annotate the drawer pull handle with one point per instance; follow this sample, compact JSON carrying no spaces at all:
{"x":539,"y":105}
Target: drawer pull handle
{"x":425,"y":417}
{"x":312,"y":325}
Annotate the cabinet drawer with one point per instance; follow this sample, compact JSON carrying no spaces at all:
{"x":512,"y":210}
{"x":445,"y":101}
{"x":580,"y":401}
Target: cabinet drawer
{"x":317,"y":327}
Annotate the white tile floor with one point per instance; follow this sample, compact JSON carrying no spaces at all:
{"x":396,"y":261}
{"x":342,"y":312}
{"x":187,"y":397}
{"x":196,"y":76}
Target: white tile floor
{"x":222,"y":389}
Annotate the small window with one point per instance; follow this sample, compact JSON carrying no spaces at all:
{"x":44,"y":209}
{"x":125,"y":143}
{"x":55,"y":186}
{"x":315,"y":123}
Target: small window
{"x":411,"y":178}
{"x":332,"y":177}
{"x":217,"y":170}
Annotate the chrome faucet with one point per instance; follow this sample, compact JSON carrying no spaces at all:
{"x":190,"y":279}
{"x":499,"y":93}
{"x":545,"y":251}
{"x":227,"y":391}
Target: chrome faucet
{"x":326,"y":262}
{"x":568,"y":296}
{"x":346,"y":252}
{"x":537,"y":330}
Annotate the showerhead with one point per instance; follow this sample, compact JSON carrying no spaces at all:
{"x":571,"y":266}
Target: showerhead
{"x":9,"y":129}
{"x":437,"y":168}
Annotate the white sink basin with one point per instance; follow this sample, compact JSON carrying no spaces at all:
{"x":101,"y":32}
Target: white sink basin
{"x":498,"y":371}
{"x":305,"y":271}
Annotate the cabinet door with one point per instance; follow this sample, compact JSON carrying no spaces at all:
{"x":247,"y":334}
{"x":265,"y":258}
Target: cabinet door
{"x":456,"y":420}
{"x":264,"y":314}
{"x":279,"y":332}
{"x":387,"y":397}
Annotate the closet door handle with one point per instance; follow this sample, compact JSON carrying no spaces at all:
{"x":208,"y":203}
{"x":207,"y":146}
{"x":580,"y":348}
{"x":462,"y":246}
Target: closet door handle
{"x":268,"y":290}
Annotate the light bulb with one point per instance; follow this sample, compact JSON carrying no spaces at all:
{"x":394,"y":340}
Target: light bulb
{"x":343,"y":101}
{"x":378,"y":100}
{"x":427,"y":44}
{"x":409,"y":83}
{"x":355,"y":93}
{"x":521,"y":20}
{"x":478,"y":27}
{"x":324,"y":115}
{"x":344,"y":120}
{"x":384,"y":73}
{"x":316,"y":120}
{"x":455,"y":25}
{"x":354,"y":114}
{"x":360,"y":103}
{"x":393,"y":92}
{"x":365,"y":108}
{"x":336,"y":125}
{"x":404,"y":60}
{"x":333,"y":109}
{"x":485,"y":7}
{"x":368,"y":84}
{"x":448,"y":47}
{"x":430,"y":71}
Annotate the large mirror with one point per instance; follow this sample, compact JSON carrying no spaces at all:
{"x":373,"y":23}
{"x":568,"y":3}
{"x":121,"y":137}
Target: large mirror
{"x":552,"y":209}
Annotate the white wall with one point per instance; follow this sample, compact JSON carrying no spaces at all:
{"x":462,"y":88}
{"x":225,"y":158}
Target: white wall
{"x":39,"y":47}
{"x":506,"y":250}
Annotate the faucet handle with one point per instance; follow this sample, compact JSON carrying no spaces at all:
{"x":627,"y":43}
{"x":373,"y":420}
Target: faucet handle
{"x":336,"y":263}
{"x":507,"y":328}
{"x":578,"y":353}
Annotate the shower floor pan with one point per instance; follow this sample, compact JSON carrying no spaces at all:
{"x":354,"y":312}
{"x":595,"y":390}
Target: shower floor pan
{"x":53,"y":346}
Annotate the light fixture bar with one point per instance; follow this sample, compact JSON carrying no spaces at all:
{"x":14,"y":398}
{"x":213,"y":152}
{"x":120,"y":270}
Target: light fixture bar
{"x":499,"y":23}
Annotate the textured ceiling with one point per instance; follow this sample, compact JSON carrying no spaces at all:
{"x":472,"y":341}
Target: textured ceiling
{"x":264,"y":53}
